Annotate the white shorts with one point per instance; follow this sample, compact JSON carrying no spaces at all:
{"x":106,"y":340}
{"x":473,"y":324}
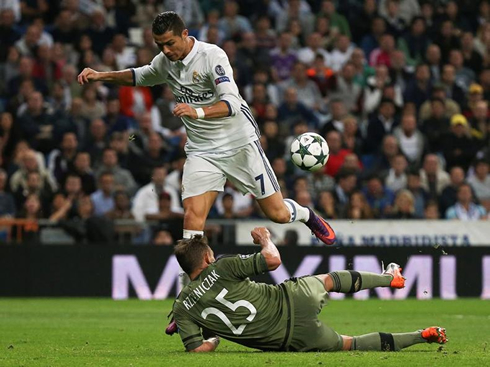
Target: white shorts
{"x":246,"y":167}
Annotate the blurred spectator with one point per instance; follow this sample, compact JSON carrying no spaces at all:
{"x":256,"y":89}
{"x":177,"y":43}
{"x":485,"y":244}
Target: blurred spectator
{"x":346,"y":184}
{"x":465,"y":209}
{"x":434,"y":62}
{"x":446,"y":39}
{"x":351,"y":136}
{"x":232,"y":24}
{"x":7,"y":202}
{"x":64,"y":30}
{"x":103,"y":199}
{"x":379,"y":126}
{"x":433,"y":178}
{"x":449,"y":195}
{"x":142,"y":165}
{"x":472,"y":59}
{"x":374,"y":87}
{"x":146,"y":199}
{"x":291,"y":238}
{"x":382,"y":54}
{"x":306,"y":55}
{"x":123,"y":179}
{"x":318,"y":181}
{"x":337,"y":153}
{"x":412,"y":141}
{"x":9,"y":32}
{"x":408,"y":9}
{"x":480,"y":182}
{"x":242,"y":204}
{"x":307,"y":91}
{"x":31,"y":40}
{"x":92,"y":107}
{"x":414,"y":43}
{"x":370,"y":41}
{"x":292,"y":111}
{"x":266,"y":37}
{"x":379,"y":198}
{"x":418,"y":90}
{"x":122,"y":206}
{"x":295,"y":11}
{"x":382,"y":161}
{"x":96,"y":140}
{"x":326,"y":205}
{"x":358,"y":207}
{"x":210,"y":28}
{"x":99,"y":31}
{"x":453,"y":90}
{"x":145,"y":12}
{"x":61,"y":161}
{"x":227,"y":205}
{"x":9,"y":136}
{"x":274,"y":146}
{"x":322,"y":75}
{"x":396,"y":179}
{"x":404,"y":206}
{"x":82,"y":168}
{"x":117,"y":16}
{"x":37,"y":124}
{"x":431,"y":211}
{"x":464,"y":76}
{"x":480,"y":123}
{"x":420,"y":196}
{"x":337,"y":21}
{"x":436,"y":126}
{"x":283,"y":57}
{"x":439,"y":92}
{"x":361,"y":22}
{"x":335,"y":120}
{"x":458,"y":146}
{"x":29,"y":163}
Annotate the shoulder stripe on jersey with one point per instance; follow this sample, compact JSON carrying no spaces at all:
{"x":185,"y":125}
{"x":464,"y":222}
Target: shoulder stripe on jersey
{"x":274,"y":183}
{"x":191,"y":337}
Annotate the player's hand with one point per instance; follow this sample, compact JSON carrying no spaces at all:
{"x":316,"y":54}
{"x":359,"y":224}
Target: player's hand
{"x":86,"y":76}
{"x":260,"y":234}
{"x":183,"y":109}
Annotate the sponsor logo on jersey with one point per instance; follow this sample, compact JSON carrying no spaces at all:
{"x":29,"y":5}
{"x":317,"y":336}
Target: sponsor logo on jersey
{"x":221,"y":79}
{"x":220,"y":70}
{"x":190,"y":96}
{"x":196,"y":78}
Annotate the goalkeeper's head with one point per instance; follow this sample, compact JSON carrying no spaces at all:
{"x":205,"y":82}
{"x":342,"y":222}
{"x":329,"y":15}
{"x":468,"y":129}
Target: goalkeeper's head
{"x":194,"y":254}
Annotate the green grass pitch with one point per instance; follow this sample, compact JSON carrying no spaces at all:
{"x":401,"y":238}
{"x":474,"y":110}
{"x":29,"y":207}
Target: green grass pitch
{"x":102,"y":332}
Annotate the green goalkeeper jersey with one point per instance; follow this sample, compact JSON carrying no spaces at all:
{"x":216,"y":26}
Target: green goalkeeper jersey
{"x":223,"y":300}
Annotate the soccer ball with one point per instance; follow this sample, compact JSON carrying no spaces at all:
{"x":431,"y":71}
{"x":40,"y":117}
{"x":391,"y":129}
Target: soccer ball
{"x":309,"y":151}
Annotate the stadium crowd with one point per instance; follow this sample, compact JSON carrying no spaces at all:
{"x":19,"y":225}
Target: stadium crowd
{"x":399,"y":89}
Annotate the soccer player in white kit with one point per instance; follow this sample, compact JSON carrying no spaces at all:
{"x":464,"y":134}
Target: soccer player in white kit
{"x":222,"y":135}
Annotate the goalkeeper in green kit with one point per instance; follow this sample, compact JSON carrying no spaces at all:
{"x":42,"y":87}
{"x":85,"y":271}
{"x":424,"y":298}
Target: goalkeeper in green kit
{"x":222,"y":301}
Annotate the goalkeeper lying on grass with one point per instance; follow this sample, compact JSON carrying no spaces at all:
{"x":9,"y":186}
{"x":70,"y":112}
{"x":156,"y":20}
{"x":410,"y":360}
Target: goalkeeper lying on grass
{"x":222,"y":300}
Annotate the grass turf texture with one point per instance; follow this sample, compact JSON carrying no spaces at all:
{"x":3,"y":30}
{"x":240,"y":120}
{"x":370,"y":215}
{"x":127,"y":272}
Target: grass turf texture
{"x":101,"y":332}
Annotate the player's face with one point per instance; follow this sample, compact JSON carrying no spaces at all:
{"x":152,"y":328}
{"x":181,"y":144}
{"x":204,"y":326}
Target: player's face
{"x":174,"y":47}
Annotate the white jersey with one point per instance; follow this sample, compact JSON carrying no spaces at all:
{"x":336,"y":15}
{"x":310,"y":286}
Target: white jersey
{"x":203,"y":78}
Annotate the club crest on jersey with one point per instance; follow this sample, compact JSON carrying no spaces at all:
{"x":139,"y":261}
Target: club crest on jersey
{"x":196,"y":78}
{"x":220,"y":70}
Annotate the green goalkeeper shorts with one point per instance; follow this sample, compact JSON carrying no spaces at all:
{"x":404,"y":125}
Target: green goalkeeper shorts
{"x":309,"y":333}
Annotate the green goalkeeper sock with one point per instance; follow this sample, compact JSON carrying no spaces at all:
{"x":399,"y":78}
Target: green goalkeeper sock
{"x":349,"y":281}
{"x":386,"y":342}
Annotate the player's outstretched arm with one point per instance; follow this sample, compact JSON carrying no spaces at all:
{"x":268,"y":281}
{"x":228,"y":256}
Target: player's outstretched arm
{"x":262,"y":237}
{"x":122,"y":77}
{"x":207,"y":346}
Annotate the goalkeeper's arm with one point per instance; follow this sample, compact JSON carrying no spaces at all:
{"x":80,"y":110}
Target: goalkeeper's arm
{"x":208,"y":345}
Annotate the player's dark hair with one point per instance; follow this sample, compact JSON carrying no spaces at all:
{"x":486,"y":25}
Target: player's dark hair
{"x":190,"y":252}
{"x":168,"y":21}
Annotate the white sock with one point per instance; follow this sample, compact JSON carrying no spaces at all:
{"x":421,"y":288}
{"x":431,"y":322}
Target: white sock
{"x":188,"y":233}
{"x":297,"y":211}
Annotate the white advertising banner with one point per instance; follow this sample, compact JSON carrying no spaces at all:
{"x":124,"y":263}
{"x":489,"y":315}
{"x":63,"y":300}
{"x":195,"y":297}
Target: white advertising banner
{"x":379,"y":232}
